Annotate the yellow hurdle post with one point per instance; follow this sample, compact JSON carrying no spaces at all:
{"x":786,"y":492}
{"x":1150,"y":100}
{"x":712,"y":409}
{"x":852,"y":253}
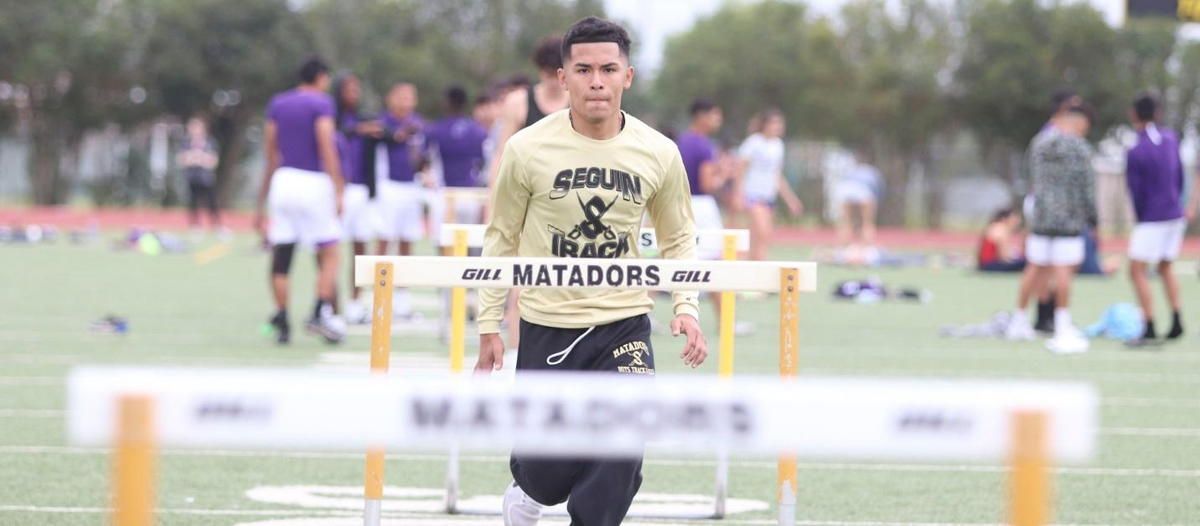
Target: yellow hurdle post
{"x":789,"y":336}
{"x":458,"y":351}
{"x":133,"y":462}
{"x":458,"y":310}
{"x":1030,"y":483}
{"x":725,"y":358}
{"x":381,"y":346}
{"x":725,"y":370}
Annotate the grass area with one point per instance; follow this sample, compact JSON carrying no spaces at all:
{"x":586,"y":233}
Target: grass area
{"x":181,"y":312}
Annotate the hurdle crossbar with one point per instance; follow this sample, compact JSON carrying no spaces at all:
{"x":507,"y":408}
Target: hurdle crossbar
{"x":1027,"y":424}
{"x":457,"y":238}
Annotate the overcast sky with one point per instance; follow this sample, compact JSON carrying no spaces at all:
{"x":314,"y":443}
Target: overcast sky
{"x":655,"y":20}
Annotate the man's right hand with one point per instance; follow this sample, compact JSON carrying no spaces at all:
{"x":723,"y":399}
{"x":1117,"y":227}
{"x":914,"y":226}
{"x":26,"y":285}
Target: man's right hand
{"x":491,"y":353}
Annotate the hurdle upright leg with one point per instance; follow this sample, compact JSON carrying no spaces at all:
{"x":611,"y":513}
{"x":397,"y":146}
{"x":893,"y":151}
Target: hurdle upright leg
{"x":1029,"y":490}
{"x":789,"y":334}
{"x":381,"y":346}
{"x":725,"y":370}
{"x":133,"y":462}
{"x":458,"y":329}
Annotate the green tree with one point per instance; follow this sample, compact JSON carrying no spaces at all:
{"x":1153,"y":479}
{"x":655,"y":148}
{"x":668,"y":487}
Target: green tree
{"x":1016,"y":54}
{"x":72,"y":63}
{"x":224,"y":58}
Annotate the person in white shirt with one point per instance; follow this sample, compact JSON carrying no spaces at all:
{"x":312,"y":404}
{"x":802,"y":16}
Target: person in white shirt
{"x":762,"y":181}
{"x":858,"y":191}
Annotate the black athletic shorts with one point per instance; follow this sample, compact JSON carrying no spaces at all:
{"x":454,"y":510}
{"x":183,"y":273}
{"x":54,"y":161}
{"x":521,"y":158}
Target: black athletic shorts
{"x":600,"y":491}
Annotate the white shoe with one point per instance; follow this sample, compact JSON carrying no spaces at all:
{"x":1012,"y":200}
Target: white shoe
{"x":1019,"y":329}
{"x":1067,"y":341}
{"x":519,"y":509}
{"x":357,"y":313}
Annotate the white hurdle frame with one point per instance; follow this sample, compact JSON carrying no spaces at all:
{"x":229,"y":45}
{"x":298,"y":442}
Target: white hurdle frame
{"x":137,"y":410}
{"x":457,"y":238}
{"x":786,"y":278}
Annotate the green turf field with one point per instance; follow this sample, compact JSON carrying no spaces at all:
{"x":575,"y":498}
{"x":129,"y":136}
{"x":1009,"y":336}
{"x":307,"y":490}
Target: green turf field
{"x":185,"y":313}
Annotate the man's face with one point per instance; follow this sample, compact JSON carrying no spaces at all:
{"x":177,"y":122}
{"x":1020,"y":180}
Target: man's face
{"x":402,"y":99}
{"x":322,"y":81}
{"x":484,"y":113}
{"x":595,"y":75}
{"x":712,"y":120}
{"x":351,"y":91}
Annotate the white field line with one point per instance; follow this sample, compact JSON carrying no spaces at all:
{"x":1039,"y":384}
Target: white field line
{"x":353,"y":518}
{"x":31,"y":413}
{"x":755,"y":464}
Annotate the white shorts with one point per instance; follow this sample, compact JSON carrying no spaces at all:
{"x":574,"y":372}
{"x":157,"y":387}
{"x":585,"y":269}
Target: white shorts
{"x":854,"y":192}
{"x":708,"y":217}
{"x":360,"y":214}
{"x":1157,"y":241}
{"x":302,"y":209}
{"x":1054,"y":251}
{"x":400,"y":207}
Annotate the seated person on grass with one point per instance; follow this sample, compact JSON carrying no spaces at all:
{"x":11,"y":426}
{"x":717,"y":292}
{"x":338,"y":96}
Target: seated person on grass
{"x":1000,"y":249}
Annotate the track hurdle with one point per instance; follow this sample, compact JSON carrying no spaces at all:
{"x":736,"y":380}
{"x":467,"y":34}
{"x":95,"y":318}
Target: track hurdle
{"x":457,"y":238}
{"x":138,"y":410}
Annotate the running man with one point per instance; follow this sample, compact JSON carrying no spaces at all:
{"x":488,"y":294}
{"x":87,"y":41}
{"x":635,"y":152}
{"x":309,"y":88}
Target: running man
{"x":1154,"y":175}
{"x":539,"y":211}
{"x":1064,"y":206}
{"x":356,"y":148}
{"x":302,"y":189}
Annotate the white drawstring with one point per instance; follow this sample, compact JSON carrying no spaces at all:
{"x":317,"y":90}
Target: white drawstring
{"x":558,"y":357}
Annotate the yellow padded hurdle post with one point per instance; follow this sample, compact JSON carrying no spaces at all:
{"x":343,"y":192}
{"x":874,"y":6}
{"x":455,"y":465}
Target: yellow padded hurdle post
{"x":1029,"y":483}
{"x":789,"y":334}
{"x":725,"y":370}
{"x":725,"y":358}
{"x":381,"y":347}
{"x":458,"y":309}
{"x":458,"y":350}
{"x":133,"y":462}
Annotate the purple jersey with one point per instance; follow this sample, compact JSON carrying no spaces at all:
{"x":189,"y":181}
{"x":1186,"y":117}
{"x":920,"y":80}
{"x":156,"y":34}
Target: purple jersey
{"x":696,"y":150}
{"x":350,"y":149}
{"x":459,"y":143}
{"x":1154,"y":174}
{"x":402,"y":155}
{"x":295,"y":113}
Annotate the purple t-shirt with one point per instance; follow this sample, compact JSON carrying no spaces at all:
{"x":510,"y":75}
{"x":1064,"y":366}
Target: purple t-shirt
{"x":350,"y":149}
{"x":1154,"y":174}
{"x":459,"y":143}
{"x":402,"y":154}
{"x":295,"y":113}
{"x":696,"y":150}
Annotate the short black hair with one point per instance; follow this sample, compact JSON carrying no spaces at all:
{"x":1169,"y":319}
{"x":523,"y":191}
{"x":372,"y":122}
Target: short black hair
{"x":1060,"y":97}
{"x":1145,"y":106}
{"x":593,"y":29}
{"x":701,"y":106}
{"x":456,"y":98}
{"x":311,"y":69}
{"x":547,"y":56}
{"x":1084,"y":109}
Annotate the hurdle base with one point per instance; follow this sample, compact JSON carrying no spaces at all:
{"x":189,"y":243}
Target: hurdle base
{"x":372,"y":512}
{"x":558,"y":512}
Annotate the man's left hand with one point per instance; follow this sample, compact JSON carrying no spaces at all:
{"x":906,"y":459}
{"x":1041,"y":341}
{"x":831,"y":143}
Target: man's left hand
{"x":695,"y":350}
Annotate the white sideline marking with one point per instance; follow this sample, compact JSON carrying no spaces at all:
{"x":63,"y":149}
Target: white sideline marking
{"x":31,"y":413}
{"x":170,"y":511}
{"x":754,"y":464}
{"x":32,"y":380}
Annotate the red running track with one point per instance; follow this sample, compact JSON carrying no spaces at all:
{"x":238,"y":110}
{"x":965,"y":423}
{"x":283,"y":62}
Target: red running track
{"x":175,"y":219}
